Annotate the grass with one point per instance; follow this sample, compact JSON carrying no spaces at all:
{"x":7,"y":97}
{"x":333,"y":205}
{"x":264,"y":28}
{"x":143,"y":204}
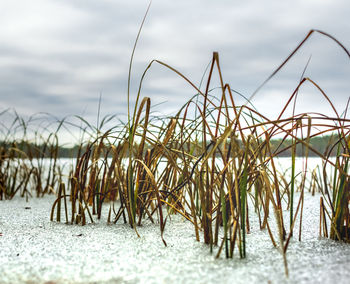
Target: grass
{"x":28,"y":163}
{"x":213,"y":168}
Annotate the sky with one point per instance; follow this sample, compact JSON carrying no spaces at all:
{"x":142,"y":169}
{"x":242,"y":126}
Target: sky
{"x":61,"y":56}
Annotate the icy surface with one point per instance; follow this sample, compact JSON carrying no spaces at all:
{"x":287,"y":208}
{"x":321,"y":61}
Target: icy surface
{"x":35,"y":250}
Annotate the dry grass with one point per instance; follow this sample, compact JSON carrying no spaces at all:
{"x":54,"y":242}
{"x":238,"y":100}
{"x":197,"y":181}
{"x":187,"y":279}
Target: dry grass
{"x":204,"y":167}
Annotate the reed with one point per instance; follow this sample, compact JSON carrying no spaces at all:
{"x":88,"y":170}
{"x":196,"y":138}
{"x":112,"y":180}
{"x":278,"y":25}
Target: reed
{"x":28,"y":159}
{"x":214,"y":163}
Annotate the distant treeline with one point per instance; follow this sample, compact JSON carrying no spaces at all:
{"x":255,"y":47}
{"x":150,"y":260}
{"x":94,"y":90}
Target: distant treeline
{"x":29,"y":150}
{"x":279,"y":147}
{"x":320,"y":144}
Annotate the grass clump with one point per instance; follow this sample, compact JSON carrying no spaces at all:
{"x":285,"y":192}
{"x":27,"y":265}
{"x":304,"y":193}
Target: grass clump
{"x":214,"y":163}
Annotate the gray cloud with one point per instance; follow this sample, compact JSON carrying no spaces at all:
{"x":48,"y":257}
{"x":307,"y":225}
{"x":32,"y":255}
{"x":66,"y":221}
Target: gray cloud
{"x":58,"y":56}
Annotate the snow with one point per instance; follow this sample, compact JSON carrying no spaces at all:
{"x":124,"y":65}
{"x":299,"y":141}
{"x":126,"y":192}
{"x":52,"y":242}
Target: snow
{"x":35,"y":250}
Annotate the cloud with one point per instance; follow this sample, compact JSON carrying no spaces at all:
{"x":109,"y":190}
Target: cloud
{"x":58,"y":56}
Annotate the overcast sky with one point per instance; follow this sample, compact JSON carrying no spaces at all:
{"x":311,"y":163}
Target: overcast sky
{"x":59,"y":56}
